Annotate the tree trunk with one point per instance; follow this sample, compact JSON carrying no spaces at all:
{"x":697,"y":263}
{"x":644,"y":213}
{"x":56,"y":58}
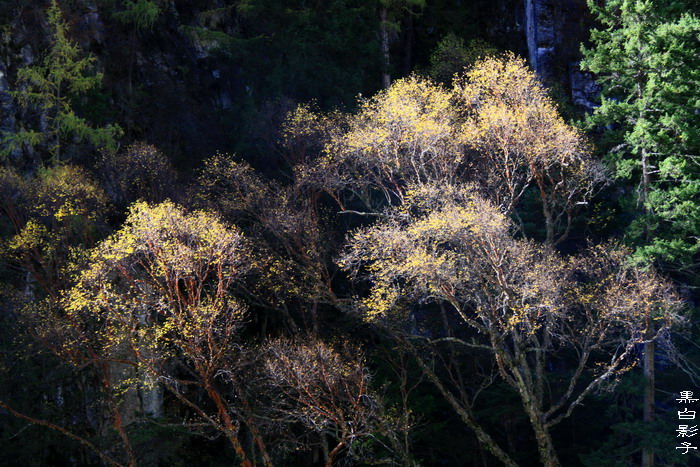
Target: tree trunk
{"x":384,"y":40}
{"x":408,"y":43}
{"x":334,"y":453}
{"x":548,"y":455}
{"x":150,"y":393}
{"x":649,"y":389}
{"x":56,"y":153}
{"x":646,"y":181}
{"x":649,"y":347}
{"x":231,"y":430}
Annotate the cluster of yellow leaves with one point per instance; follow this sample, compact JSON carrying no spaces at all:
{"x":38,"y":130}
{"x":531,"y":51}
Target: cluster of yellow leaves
{"x":430,"y":244}
{"x":234,"y":189}
{"x":503,"y":79}
{"x":33,"y":235}
{"x":66,"y":191}
{"x":55,"y":214}
{"x":306,"y":131}
{"x":447,"y":244}
{"x":496,"y":128}
{"x":410,"y":123}
{"x":514,"y":125}
{"x":165,"y":277}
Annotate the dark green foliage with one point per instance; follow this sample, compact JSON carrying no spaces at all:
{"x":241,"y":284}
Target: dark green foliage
{"x":647,"y":58}
{"x":451,"y":56}
{"x":625,"y":434}
{"x":142,"y":14}
{"x":50,"y":88}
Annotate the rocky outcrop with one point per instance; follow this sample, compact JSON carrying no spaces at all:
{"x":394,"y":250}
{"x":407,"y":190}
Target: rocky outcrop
{"x":554,"y":31}
{"x":540,"y":34}
{"x":584,"y":89}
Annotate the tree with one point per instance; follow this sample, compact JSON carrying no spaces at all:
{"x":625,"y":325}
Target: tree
{"x":522,"y":303}
{"x":387,"y":10}
{"x":325,"y":390}
{"x":452,"y":56}
{"x":142,"y":14}
{"x":138,"y":172}
{"x":51,"y":87}
{"x":158,"y":294}
{"x":496,"y":128}
{"x":409,"y":132}
{"x":159,"y":298}
{"x":54,"y":217}
{"x":524,"y":145}
{"x":647,"y":58}
{"x":290,"y":244}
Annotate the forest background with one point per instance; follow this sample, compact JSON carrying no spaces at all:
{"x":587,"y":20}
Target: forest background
{"x":348,"y":232}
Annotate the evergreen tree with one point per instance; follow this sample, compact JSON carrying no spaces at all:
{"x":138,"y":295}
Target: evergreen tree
{"x":647,"y":58}
{"x":52,"y":86}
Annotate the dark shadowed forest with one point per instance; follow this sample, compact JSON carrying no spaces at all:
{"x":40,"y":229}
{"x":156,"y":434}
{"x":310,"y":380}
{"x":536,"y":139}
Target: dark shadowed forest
{"x":349,"y":232}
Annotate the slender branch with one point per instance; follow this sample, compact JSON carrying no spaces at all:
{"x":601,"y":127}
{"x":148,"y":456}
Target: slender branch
{"x":64,"y":431}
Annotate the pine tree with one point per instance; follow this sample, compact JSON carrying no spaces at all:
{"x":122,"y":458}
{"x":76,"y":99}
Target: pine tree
{"x":647,"y":58}
{"x":52,"y":87}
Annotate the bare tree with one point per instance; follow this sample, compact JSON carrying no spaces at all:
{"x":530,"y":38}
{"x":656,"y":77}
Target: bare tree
{"x":290,"y":245}
{"x":329,"y":392}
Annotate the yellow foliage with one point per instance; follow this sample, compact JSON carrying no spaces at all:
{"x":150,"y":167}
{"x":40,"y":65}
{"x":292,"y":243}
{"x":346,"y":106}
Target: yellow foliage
{"x":512,"y":123}
{"x":55,"y":214}
{"x":448,"y":245}
{"x":496,"y":128}
{"x":164,"y":279}
{"x":32,"y":236}
{"x":66,"y":191}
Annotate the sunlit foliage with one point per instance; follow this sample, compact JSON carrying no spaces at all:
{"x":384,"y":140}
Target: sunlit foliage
{"x":496,"y":128}
{"x":521,"y":301}
{"x":523,"y":143}
{"x":360,"y":286}
{"x":646,"y":57}
{"x":159,"y":292}
{"x":406,"y":133}
{"x":54,"y":215}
